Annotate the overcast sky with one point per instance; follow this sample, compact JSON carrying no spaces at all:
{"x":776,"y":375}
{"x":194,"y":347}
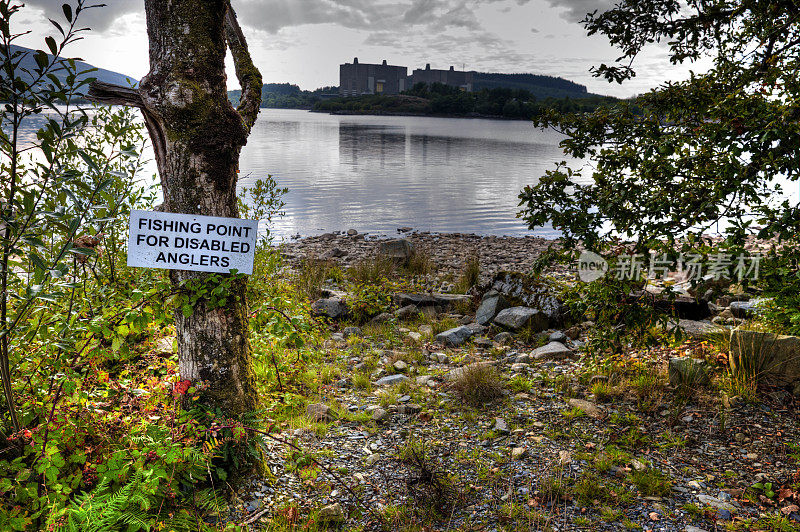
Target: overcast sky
{"x":304,"y":41}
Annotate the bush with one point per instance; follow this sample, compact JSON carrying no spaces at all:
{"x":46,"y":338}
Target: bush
{"x":478,"y":385}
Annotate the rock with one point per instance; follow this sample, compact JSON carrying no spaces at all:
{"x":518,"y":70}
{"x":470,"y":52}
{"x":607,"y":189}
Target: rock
{"x":559,"y":337}
{"x":400,"y":365}
{"x":591,"y":409}
{"x":331,"y":307}
{"x":400,"y":250}
{"x":320,"y":412}
{"x":530,"y":292}
{"x":493,"y":302}
{"x":390,"y":380}
{"x":524,"y":358}
{"x":484,"y":342}
{"x":775,"y":357}
{"x":637,"y":465}
{"x":351,"y":331}
{"x":500,"y":425}
{"x":684,"y":307}
{"x":518,"y":453}
{"x":379,"y":414}
{"x":352,"y":232}
{"x":564,"y":458}
{"x":726,"y":314}
{"x":573,"y":333}
{"x":552,"y":351}
{"x":334,"y":253}
{"x":383,"y":317}
{"x":690,"y":528}
{"x":708,"y":500}
{"x":745,"y":309}
{"x":504,"y":337}
{"x":404,"y":229}
{"x":519,"y":367}
{"x":685,"y":371}
{"x":476,"y":328}
{"x":426,"y":330}
{"x":433,"y":299}
{"x":372,"y":459}
{"x":331,"y":514}
{"x":415,"y":336}
{"x":516,"y":318}
{"x":698,"y":329}
{"x":455,"y":337}
{"x":406,"y":312}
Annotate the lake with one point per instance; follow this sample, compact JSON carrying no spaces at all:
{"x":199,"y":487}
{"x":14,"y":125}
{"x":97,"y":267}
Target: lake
{"x":377,"y":173}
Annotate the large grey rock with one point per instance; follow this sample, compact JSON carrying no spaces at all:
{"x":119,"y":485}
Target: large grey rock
{"x":552,"y":351}
{"x":687,"y":371}
{"x":719,"y":504}
{"x":400,"y":250}
{"x":434,"y":299}
{"x":591,"y":409}
{"x":775,"y":358}
{"x":331,"y":307}
{"x":456,"y":336}
{"x":699,"y":329}
{"x":530,"y":292}
{"x":331,"y":514}
{"x":491,"y":305}
{"x":320,"y":412}
{"x":390,"y":380}
{"x":516,"y":318}
{"x":746,"y":309}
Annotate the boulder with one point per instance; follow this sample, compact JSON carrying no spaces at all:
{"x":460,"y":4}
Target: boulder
{"x":698,"y":329}
{"x":528,"y":291}
{"x":443,"y":301}
{"x":390,"y":380}
{"x":320,"y":412}
{"x":518,"y":317}
{"x":775,"y":357}
{"x":491,"y":305}
{"x":687,"y":371}
{"x":552,"y":351}
{"x":406,"y":312}
{"x":684,"y":307}
{"x":399,"y":250}
{"x":352,"y":331}
{"x":334,"y":253}
{"x":591,"y":409}
{"x":331,"y":514}
{"x":746,"y":309}
{"x":456,"y":336}
{"x":331,"y":307}
{"x":558,"y":336}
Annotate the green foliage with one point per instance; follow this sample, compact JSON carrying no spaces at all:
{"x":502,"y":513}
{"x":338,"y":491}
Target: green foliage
{"x":688,"y":155}
{"x":368,"y":300}
{"x":478,"y":385}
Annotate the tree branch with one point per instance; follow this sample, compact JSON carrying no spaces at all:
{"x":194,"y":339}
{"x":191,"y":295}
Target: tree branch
{"x":246,"y":72}
{"x":110,"y":94}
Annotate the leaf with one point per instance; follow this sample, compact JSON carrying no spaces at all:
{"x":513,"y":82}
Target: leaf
{"x":67,"y":11}
{"x":187,"y":310}
{"x":57,"y":25}
{"x":51,"y":43}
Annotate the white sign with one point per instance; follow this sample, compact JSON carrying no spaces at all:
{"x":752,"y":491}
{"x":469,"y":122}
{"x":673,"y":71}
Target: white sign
{"x":190,"y":242}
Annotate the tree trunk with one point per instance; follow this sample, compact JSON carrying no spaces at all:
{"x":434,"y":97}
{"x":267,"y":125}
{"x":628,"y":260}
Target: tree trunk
{"x":197,"y":136}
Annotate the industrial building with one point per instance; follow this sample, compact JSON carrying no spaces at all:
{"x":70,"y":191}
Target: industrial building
{"x":452,"y":77}
{"x":357,"y":78}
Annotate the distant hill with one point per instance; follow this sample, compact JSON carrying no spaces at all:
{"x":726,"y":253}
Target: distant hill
{"x":538,"y":85}
{"x":287,"y":96}
{"x":28,"y":62}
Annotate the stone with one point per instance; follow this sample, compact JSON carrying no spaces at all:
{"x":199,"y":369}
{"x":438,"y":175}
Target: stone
{"x":351,"y":331}
{"x":530,"y":292}
{"x":372,"y":459}
{"x":399,"y":250}
{"x":379,"y":414}
{"x":690,"y":528}
{"x":564,"y":458}
{"x":415,"y":336}
{"x":390,"y":380}
{"x":333,"y":308}
{"x":409,"y":409}
{"x":334,"y":253}
{"x":698,"y":329}
{"x":638,"y":465}
{"x":524,"y":358}
{"x":400,"y":365}
{"x":685,"y":371}
{"x":426,"y":330}
{"x":591,"y":409}
{"x":504,"y":337}
{"x":516,"y":318}
{"x":775,"y":357}
{"x":500,"y":425}
{"x":559,"y":337}
{"x":519,"y":367}
{"x":708,"y":500}
{"x":573,"y":333}
{"x":352,"y":232}
{"x":320,"y":412}
{"x":456,"y":336}
{"x":482,"y":341}
{"x":331,"y":514}
{"x":493,"y":302}
{"x":552,"y":351}
{"x":476,"y":328}
{"x":383,"y":317}
{"x":164,"y":346}
{"x":406,"y":312}
{"x":745,"y":309}
{"x":518,"y":453}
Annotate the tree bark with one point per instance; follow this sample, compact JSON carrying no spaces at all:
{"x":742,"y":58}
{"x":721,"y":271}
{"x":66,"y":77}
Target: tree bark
{"x":197,"y":136}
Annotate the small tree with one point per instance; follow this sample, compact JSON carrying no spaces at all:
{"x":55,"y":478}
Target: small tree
{"x":197,"y":136}
{"x":690,"y":155}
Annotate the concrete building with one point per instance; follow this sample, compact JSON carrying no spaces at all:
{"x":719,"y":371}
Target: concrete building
{"x":452,"y":77}
{"x":357,"y":78}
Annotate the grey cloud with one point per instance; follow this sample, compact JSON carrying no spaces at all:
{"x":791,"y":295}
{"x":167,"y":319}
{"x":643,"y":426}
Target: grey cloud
{"x":534,"y":30}
{"x":576,"y":10}
{"x":98,"y":19}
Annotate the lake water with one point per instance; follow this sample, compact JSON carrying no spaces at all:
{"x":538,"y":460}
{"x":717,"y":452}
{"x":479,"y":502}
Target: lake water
{"x":377,"y":173}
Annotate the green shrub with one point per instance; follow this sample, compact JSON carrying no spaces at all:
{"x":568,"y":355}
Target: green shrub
{"x":478,"y":385}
